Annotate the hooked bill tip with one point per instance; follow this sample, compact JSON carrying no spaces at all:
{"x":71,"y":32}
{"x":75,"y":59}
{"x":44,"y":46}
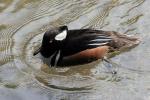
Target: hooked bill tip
{"x":36,"y":51}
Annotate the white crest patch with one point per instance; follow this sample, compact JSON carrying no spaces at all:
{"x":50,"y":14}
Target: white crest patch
{"x":61,"y":36}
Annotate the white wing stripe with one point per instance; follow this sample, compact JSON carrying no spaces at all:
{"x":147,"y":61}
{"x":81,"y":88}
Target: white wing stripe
{"x":104,"y":37}
{"x":101,"y":40}
{"x":98,"y":44}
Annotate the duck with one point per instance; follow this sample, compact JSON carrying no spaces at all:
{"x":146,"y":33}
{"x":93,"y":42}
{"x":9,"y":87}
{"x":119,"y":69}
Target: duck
{"x":79,"y":46}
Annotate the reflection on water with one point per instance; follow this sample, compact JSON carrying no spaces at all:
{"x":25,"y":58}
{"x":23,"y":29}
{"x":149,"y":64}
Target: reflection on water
{"x":24,"y":77}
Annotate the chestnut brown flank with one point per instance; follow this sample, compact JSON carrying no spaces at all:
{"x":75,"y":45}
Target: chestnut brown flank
{"x":97,"y":53}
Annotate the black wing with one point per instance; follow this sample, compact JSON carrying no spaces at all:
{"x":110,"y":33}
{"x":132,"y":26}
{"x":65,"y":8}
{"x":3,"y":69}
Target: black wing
{"x":79,"y":40}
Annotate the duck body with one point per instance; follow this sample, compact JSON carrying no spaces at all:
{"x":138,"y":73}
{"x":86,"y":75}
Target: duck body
{"x":78,"y":41}
{"x":77,"y":46}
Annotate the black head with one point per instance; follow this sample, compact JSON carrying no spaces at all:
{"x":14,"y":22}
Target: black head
{"x":52,"y":41}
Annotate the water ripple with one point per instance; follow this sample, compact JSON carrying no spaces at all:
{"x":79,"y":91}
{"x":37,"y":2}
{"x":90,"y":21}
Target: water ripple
{"x":23,"y":24}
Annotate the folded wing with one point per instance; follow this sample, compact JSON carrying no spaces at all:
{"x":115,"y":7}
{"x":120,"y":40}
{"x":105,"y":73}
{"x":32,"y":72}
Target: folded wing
{"x":80,"y":40}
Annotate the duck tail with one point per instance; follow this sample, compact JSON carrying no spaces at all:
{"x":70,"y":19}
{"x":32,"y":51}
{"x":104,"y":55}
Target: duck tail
{"x":121,"y":41}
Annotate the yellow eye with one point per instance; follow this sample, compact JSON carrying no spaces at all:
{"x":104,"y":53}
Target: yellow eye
{"x":50,"y":41}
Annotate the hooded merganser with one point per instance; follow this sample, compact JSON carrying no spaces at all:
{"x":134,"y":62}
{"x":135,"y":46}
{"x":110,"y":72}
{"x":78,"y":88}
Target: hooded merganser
{"x":81,"y":45}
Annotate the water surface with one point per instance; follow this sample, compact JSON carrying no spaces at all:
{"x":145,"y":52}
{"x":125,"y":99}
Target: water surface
{"x":25,"y":77}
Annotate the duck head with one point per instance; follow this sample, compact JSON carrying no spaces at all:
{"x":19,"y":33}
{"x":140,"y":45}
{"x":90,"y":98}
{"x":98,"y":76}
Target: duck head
{"x":52,"y":41}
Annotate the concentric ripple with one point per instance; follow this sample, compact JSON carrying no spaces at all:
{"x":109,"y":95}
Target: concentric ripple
{"x":23,"y":23}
